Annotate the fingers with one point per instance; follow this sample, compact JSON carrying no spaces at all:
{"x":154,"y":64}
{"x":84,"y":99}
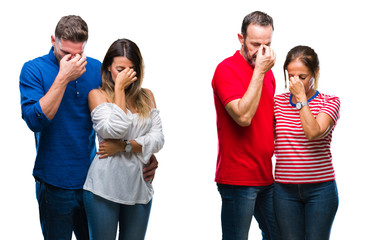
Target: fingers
{"x":294,"y":80}
{"x":150,"y":170}
{"x":80,"y":60}
{"x":128,"y":73}
{"x":265,"y":59}
{"x":73,"y":66}
{"x":150,"y":175}
{"x":153,"y":161}
{"x":150,"y":167}
{"x":75,"y":58}
{"x":67,"y":57}
{"x":102,"y":152}
{"x":291,"y":79}
{"x":131,"y":74}
{"x":102,"y":155}
{"x":125,"y":78}
{"x":150,"y":179}
{"x":268,"y":52}
{"x":296,"y":87}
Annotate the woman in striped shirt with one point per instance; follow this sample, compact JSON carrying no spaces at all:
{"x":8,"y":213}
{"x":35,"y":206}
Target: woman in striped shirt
{"x":306,"y":198}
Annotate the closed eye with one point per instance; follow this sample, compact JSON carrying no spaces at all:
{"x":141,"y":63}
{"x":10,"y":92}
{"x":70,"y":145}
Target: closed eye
{"x":120,"y":69}
{"x":302,"y":77}
{"x":64,"y":52}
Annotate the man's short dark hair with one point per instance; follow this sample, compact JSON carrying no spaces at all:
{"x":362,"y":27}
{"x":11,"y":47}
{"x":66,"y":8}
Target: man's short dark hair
{"x":72,"y":28}
{"x":258,"y":18}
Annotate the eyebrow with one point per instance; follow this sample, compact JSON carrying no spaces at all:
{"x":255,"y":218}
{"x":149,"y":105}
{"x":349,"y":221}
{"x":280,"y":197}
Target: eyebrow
{"x":300,"y":75}
{"x":65,"y":52}
{"x":123,"y":67}
{"x":258,"y":43}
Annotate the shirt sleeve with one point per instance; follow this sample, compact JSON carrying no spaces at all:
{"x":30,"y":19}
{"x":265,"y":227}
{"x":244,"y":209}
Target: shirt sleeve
{"x":332,"y":107}
{"x":226,"y":84}
{"x":110,"y":121}
{"x":31,"y":91}
{"x":153,"y":141}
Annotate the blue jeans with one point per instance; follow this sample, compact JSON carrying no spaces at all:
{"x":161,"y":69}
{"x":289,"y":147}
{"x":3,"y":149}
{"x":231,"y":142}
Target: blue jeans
{"x":103,"y":217}
{"x":240,"y":203}
{"x":306,"y":211}
{"x":61,"y":212}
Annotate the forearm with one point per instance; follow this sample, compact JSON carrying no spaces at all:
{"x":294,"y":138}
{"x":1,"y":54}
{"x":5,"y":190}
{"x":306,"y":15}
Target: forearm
{"x":120,"y":99}
{"x":311,"y":128}
{"x":249,"y":103}
{"x":109,"y":147}
{"x":52,"y":100}
{"x":243,"y":110}
{"x":136,"y":148}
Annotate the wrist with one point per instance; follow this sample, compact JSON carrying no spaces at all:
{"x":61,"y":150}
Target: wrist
{"x":119,"y":86}
{"x":61,"y":79}
{"x":127,"y":146}
{"x":300,"y":105}
{"x":260,"y":72}
{"x":302,"y":98}
{"x":122,"y":145}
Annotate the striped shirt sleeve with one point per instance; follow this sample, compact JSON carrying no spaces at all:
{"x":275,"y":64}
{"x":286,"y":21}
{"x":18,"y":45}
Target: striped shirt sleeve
{"x":331,"y":107}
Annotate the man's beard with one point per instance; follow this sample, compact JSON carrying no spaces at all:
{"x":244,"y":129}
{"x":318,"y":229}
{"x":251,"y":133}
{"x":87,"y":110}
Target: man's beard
{"x":56,"y":54}
{"x":250,"y":60}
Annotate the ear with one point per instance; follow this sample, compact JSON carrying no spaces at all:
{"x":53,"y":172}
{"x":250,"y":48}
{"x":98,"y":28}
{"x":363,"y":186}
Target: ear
{"x":240,"y":38}
{"x":53,"y":40}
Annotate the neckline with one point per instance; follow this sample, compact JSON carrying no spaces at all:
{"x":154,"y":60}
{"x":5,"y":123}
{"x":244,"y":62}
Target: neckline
{"x":240,"y":58}
{"x":291,"y":95}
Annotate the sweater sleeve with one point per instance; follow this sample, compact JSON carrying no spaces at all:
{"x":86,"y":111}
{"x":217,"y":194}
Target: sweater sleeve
{"x":153,"y":141}
{"x":110,"y":121}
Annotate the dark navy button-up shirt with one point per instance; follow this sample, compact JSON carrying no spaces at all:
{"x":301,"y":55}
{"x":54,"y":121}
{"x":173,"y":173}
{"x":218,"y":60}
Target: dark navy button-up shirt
{"x":66,"y":144}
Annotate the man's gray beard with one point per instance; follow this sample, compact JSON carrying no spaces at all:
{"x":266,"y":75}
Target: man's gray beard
{"x":250,"y":61}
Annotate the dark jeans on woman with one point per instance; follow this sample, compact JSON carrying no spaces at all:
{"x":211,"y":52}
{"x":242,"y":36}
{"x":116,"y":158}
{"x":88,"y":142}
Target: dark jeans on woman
{"x":306,"y":211}
{"x":240,"y":203}
{"x":104,"y":215}
{"x":61,"y":212}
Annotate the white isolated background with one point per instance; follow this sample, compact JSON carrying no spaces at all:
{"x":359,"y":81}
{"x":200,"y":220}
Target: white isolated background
{"x":182,"y":42}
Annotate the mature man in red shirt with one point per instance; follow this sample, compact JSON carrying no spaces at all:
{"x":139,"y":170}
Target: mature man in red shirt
{"x":244,"y":88}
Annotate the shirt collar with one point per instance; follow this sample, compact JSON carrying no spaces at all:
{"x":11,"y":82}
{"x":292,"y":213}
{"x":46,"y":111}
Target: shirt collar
{"x":291,"y":103}
{"x":239,"y":58}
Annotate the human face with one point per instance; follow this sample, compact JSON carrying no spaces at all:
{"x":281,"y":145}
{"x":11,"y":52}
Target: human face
{"x":63,"y":47}
{"x":118,"y":65}
{"x":298,"y":70}
{"x":256,"y":36}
